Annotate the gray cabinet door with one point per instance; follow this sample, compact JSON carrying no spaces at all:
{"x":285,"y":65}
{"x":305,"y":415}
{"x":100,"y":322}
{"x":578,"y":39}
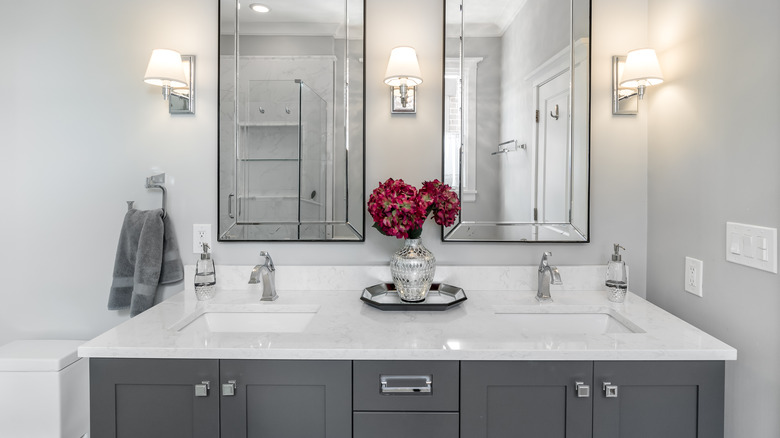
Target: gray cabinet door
{"x":287,"y":399}
{"x":659,"y":399}
{"x":153,"y":398}
{"x":525,"y":399}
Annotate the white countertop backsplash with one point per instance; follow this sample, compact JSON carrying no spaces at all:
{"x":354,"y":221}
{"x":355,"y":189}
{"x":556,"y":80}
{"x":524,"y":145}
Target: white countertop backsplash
{"x":346,"y":328}
{"x":331,"y":278}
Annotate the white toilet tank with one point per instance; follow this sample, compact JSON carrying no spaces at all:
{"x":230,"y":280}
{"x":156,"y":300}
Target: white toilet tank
{"x":45,"y":390}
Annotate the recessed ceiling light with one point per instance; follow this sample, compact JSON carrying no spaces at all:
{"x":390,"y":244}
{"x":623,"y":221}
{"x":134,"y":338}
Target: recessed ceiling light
{"x":257,"y":7}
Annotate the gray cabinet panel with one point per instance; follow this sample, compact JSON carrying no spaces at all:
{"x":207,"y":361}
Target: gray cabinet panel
{"x":287,"y":399}
{"x":153,"y":398}
{"x":659,"y":399}
{"x":525,"y":399}
{"x":367,"y":388}
{"x":405,"y":425}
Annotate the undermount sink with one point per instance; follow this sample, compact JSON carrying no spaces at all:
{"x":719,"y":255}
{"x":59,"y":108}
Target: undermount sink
{"x":567,"y":322}
{"x":249,"y":319}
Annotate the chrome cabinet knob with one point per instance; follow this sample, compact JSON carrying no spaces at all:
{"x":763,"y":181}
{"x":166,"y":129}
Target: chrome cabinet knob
{"x":202,"y":389}
{"x":610,"y":390}
{"x":229,"y":388}
{"x":583,"y":390}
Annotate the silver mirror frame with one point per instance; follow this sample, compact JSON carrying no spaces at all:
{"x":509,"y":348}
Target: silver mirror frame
{"x":350,"y":224}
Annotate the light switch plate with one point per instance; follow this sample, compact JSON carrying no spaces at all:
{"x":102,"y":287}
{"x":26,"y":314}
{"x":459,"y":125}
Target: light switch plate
{"x":752,"y":246}
{"x":694,"y":274}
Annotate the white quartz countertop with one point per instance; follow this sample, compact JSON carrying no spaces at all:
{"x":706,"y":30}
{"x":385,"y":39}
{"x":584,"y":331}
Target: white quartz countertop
{"x":344,"y":327}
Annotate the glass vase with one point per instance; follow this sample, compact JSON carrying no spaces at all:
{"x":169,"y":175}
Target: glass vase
{"x":412,"y":268}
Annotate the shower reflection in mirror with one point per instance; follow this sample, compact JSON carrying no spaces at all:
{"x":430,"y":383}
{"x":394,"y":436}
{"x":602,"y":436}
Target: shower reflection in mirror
{"x":291,"y":121}
{"x":516,"y":118}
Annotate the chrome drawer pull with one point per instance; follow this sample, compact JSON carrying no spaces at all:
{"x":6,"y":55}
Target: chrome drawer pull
{"x":397,"y":384}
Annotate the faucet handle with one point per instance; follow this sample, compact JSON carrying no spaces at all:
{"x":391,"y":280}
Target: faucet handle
{"x":268,"y":260}
{"x":543,"y":262}
{"x":556,"y":276}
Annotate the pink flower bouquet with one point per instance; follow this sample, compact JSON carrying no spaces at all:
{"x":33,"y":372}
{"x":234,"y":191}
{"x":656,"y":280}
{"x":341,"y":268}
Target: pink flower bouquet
{"x":400,"y":210}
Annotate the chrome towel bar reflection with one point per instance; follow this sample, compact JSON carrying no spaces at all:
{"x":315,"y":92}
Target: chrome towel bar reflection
{"x":504,"y":147}
{"x":154,"y":182}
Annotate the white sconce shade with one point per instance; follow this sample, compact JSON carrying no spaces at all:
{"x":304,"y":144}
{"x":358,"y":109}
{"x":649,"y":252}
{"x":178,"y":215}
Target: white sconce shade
{"x":631,"y":75}
{"x":403,"y":75}
{"x":403,"y":68}
{"x":641,"y":69}
{"x":165,"y":69}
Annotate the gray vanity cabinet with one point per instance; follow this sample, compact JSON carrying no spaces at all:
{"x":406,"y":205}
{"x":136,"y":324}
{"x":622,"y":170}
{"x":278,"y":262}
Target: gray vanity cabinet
{"x":286,"y":399}
{"x":525,"y":399}
{"x":658,"y":399}
{"x":154,"y":398}
{"x":209,"y":398}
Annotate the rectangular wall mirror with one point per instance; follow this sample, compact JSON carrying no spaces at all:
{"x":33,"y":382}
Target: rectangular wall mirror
{"x":517,"y":119}
{"x":291,"y":143}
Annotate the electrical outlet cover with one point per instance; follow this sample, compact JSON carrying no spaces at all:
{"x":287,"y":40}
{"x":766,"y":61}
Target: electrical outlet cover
{"x":201,"y":233}
{"x":694,"y":274}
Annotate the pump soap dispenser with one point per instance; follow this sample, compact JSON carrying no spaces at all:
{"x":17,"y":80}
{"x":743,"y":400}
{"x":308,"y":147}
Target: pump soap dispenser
{"x":205,"y":276}
{"x":617,"y":277}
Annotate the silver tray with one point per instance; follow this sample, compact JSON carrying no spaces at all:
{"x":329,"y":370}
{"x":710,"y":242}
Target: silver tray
{"x":440,"y":297}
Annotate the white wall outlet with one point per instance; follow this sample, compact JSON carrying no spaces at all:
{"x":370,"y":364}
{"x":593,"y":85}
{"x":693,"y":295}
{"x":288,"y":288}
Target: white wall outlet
{"x":201,"y":233}
{"x":694,"y":274}
{"x":751,"y":245}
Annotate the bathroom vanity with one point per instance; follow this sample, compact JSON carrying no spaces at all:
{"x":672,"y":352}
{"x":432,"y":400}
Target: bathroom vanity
{"x":319,"y":362}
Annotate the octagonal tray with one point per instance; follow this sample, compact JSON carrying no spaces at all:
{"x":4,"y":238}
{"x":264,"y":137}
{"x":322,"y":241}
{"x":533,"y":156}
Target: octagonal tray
{"x":441,"y":297}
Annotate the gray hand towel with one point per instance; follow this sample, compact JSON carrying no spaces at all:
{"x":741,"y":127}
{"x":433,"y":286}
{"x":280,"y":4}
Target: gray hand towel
{"x":147,"y":255}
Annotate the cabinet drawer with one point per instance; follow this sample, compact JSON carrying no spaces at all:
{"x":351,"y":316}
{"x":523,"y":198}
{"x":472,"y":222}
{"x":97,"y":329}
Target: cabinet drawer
{"x":405,"y":386}
{"x":405,"y":424}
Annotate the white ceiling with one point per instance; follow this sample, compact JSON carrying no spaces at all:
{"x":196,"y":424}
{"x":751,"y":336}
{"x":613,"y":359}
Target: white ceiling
{"x":292,"y":17}
{"x":321,"y":17}
{"x":484,"y":18}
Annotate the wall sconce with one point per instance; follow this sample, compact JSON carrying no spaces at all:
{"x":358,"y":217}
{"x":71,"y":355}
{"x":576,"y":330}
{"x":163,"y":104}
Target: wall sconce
{"x":175,"y":73}
{"x":631,"y":75}
{"x":403,"y":76}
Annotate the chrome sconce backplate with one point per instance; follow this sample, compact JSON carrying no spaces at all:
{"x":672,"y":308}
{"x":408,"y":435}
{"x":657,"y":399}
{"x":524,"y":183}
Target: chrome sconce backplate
{"x":624,"y":100}
{"x":182,"y":100}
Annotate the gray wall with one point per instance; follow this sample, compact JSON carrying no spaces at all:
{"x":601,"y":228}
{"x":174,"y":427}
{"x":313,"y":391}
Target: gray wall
{"x":714,"y":153}
{"x":80,"y":131}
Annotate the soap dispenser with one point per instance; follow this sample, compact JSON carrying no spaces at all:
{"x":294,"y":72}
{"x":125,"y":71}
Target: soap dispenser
{"x":617,"y":277}
{"x":205,"y":276}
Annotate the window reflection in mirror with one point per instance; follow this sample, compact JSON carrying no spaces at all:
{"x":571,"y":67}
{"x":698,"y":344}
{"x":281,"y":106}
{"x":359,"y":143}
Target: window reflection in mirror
{"x":291,"y":121}
{"x":516,"y":119}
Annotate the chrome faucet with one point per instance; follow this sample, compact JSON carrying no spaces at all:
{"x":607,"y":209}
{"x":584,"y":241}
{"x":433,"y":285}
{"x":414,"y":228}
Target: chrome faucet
{"x":547,"y":275}
{"x":267,"y":272}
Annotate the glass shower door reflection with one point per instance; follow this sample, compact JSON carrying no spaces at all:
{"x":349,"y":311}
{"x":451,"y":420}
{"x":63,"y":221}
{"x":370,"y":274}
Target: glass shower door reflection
{"x":281,"y":138}
{"x":314,"y":161}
